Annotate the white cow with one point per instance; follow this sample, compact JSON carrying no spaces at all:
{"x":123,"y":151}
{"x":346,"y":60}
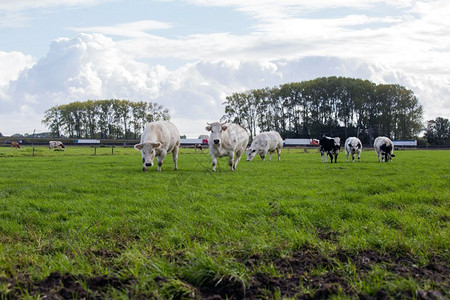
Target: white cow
{"x":227,"y":139}
{"x":263,"y":143}
{"x":56,"y":144}
{"x":384,"y":148}
{"x":158,"y":139}
{"x":353,"y":146}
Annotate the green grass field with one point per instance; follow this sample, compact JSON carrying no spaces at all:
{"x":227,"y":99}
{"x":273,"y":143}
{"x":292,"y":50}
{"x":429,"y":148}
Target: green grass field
{"x":78,"y":225}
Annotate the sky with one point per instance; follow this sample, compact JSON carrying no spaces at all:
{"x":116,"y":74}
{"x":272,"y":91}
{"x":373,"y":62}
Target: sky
{"x":188,"y":55}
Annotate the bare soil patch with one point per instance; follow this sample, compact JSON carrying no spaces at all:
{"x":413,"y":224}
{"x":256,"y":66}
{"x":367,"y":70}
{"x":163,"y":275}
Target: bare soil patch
{"x":307,"y":274}
{"x":299,"y":277}
{"x":65,"y":286}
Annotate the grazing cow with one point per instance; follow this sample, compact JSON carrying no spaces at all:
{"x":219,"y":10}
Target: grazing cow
{"x":384,"y":148}
{"x":227,"y":139}
{"x":263,"y":143}
{"x":330,"y":146}
{"x":198,"y":146}
{"x":56,"y":144}
{"x":158,"y":139}
{"x":353,"y":146}
{"x":15,"y":145}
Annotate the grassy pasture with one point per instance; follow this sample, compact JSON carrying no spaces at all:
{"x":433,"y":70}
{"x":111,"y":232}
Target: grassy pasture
{"x":75,"y":225}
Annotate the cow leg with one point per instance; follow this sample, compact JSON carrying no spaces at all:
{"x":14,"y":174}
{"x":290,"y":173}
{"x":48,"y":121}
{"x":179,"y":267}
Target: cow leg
{"x":347,"y":156}
{"x":359,"y":157}
{"x":162,"y":155}
{"x":263,"y":157}
{"x":353,"y":157}
{"x":322,"y":154}
{"x":214,"y":162}
{"x":335,"y":158}
{"x":237,"y":158}
{"x":279,"y":153}
{"x":175,"y":157}
{"x":230,"y":162}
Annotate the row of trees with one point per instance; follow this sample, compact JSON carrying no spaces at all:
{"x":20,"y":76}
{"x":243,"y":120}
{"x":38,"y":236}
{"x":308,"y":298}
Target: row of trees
{"x":437,"y":132}
{"x":102,"y":118}
{"x":335,"y":106}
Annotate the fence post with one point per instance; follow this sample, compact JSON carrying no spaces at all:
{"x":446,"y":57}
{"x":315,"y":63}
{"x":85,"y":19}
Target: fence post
{"x":112,"y":150}
{"x":33,"y":151}
{"x":95,"y":150}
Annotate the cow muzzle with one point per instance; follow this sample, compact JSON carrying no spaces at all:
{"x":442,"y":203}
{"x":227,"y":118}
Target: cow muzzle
{"x":217,"y":141}
{"x":148,"y":164}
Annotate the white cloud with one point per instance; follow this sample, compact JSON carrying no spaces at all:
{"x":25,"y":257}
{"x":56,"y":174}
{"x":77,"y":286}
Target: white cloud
{"x":270,"y":9}
{"x":92,"y":66}
{"x":134,"y":29}
{"x":414,"y":37}
{"x":11,"y":19}
{"x":12,"y":64}
{"x":20,"y":5}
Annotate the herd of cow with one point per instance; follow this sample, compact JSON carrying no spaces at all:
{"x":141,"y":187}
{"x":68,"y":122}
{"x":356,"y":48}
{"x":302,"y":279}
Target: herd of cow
{"x":231,"y":140}
{"x":51,"y":145}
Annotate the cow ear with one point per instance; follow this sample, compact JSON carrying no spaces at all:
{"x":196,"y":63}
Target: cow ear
{"x":224,"y":127}
{"x":208,"y":128}
{"x":156,"y":145}
{"x":139,"y":147}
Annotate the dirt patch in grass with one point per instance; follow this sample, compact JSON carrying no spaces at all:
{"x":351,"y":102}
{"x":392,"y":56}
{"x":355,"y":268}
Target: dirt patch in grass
{"x":308,"y":274}
{"x":327,"y":234}
{"x":64,"y":286}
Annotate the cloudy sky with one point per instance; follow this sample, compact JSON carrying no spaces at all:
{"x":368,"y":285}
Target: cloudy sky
{"x":188,"y":55}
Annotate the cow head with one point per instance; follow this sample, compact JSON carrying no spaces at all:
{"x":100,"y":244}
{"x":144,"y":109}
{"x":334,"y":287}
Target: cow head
{"x":386,"y":151}
{"x":337,"y":145}
{"x":216,"y":129}
{"x":250,"y":153}
{"x":354,"y":146}
{"x":148,"y":151}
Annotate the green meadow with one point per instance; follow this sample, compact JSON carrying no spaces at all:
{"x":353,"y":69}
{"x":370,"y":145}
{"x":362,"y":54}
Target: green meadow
{"x":78,"y":225}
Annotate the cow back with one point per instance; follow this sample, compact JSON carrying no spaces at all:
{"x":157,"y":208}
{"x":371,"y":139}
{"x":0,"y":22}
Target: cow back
{"x":235,"y":137}
{"x":163,"y":132}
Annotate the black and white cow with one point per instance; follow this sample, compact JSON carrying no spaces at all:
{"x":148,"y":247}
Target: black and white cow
{"x":56,"y":145}
{"x":384,"y":148}
{"x":330,"y":146}
{"x":353,"y":146}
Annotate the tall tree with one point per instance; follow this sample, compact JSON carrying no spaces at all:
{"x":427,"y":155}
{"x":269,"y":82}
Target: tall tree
{"x":328,"y":105}
{"x":437,"y":131}
{"x":53,"y":120}
{"x":113,"y":118}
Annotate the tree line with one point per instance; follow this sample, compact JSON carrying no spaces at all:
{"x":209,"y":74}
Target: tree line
{"x":437,"y":131}
{"x":103,"y":119}
{"x":336,"y":106}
